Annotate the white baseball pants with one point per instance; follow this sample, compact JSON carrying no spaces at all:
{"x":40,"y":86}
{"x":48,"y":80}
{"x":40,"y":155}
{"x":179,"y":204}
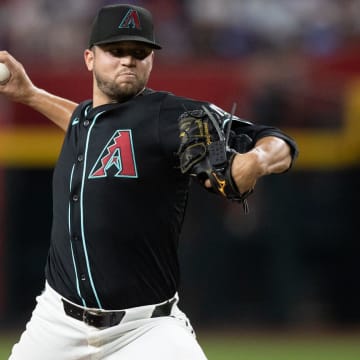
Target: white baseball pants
{"x":52,"y":335}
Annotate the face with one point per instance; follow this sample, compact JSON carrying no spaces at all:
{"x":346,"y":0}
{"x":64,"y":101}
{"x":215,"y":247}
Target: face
{"x":120,"y":70}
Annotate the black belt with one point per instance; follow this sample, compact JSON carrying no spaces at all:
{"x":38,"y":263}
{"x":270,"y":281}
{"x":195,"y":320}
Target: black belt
{"x":101,"y":319}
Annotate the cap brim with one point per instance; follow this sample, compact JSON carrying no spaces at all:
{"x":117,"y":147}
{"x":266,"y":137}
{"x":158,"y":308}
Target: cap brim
{"x":121,"y":38}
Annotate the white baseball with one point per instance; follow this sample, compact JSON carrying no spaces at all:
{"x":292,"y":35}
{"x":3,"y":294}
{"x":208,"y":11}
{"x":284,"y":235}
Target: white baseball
{"x":4,"y":74}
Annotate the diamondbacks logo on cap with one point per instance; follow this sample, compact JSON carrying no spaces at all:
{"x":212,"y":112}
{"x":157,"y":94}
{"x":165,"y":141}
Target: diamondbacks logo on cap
{"x":131,"y":20}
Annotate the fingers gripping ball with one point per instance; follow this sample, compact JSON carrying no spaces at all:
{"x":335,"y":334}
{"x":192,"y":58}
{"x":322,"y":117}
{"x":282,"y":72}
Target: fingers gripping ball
{"x":204,"y":152}
{"x":4,"y":74}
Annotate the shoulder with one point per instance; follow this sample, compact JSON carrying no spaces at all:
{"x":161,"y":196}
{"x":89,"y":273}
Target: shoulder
{"x":184,"y":103}
{"x":176,"y":105}
{"x":81,"y":108}
{"x":78,"y":113}
{"x":173,"y":105}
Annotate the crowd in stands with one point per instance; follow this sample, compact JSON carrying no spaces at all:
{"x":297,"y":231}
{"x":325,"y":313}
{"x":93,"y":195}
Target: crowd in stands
{"x":57,"y":31}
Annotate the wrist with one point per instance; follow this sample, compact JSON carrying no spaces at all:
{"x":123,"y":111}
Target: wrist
{"x":31,"y":96}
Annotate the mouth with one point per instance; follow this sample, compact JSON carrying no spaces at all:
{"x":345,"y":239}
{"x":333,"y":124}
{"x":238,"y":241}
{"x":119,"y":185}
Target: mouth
{"x":127,"y":74}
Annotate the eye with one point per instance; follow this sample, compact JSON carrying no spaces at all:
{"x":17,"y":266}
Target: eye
{"x":136,"y":53}
{"x":140,"y":54}
{"x":116,"y":52}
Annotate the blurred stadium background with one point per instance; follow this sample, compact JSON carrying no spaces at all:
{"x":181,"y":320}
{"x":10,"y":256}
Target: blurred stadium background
{"x":279,"y":283}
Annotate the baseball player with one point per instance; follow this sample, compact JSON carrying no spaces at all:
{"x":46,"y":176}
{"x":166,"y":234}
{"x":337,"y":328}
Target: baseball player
{"x":112,"y":271}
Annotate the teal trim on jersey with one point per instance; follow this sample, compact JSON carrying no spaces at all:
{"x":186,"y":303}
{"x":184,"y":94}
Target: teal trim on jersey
{"x":75,"y":121}
{"x":87,"y":110}
{"x":71,"y":246}
{"x":82,"y":212}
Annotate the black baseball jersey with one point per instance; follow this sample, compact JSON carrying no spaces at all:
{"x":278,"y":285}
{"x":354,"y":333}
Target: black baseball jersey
{"x":119,"y":200}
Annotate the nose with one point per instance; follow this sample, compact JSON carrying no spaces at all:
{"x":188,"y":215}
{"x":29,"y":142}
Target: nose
{"x":127,"y":60}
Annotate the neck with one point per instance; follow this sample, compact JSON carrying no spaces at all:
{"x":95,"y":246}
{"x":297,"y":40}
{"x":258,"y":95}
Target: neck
{"x":100,"y":98}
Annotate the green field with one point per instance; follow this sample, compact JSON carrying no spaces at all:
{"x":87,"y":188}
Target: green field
{"x":271,"y":346}
{"x":282,"y":347}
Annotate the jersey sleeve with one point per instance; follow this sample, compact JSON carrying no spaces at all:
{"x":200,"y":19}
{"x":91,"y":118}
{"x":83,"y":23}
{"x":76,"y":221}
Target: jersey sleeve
{"x":254,"y":131}
{"x":174,"y":106}
{"x":257,"y":132}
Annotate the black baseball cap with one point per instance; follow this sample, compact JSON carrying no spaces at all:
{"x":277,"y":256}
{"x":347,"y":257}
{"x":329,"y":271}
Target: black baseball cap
{"x":122,"y":22}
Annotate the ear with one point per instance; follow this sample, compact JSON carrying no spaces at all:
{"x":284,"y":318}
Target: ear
{"x":89,"y":56}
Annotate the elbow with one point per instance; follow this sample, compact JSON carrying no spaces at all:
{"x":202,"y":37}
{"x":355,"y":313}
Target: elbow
{"x":286,"y":163}
{"x":277,"y":155}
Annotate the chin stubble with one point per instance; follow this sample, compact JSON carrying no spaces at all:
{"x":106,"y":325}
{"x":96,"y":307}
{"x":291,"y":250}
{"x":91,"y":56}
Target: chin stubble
{"x":115,"y":92}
